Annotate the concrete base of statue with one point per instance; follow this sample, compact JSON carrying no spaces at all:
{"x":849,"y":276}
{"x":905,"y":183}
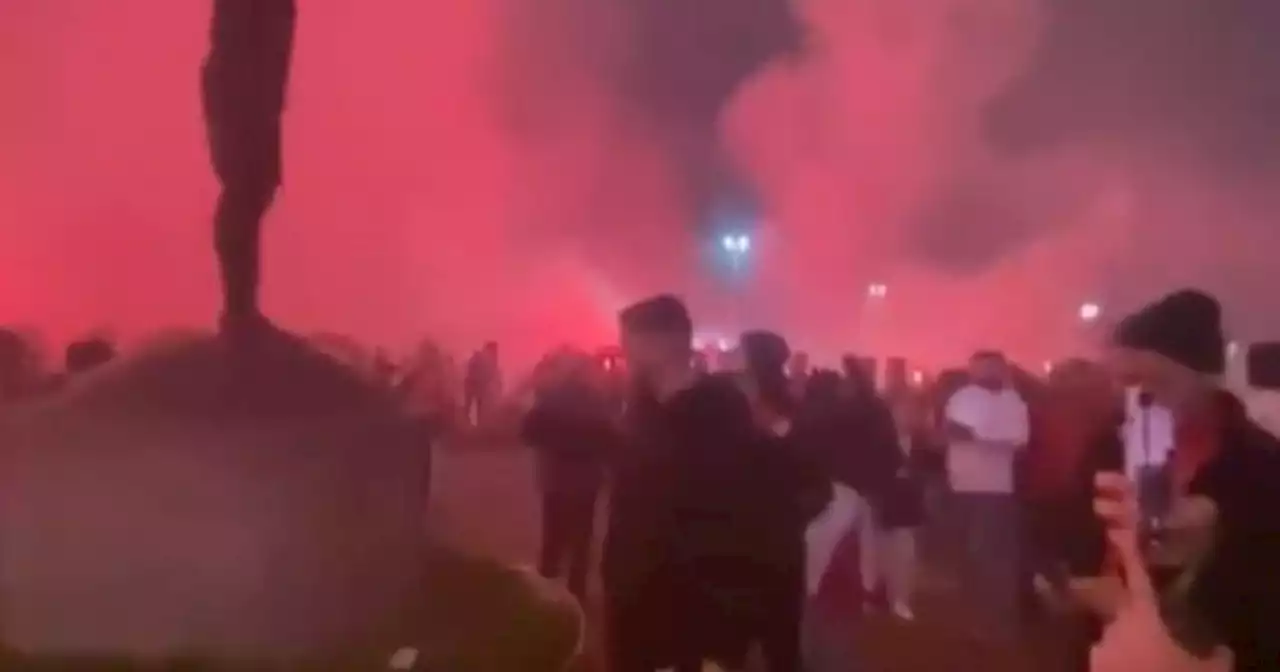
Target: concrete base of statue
{"x":193,"y":500}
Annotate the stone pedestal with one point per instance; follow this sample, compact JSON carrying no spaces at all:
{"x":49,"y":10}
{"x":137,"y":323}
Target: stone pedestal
{"x":196,"y":501}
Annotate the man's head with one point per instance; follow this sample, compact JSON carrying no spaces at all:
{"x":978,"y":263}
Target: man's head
{"x":989,"y":369}
{"x":766,"y":356}
{"x":1173,"y":348}
{"x":657,"y":335}
{"x":491,"y":349}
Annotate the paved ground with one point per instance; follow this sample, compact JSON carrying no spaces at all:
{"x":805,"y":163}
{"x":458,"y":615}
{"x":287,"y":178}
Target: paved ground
{"x":483,"y":500}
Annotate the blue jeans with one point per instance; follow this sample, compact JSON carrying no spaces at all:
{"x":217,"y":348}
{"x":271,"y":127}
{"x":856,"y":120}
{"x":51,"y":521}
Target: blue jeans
{"x":985,"y":530}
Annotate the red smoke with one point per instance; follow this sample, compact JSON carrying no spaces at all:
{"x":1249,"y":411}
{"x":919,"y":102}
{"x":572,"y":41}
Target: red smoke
{"x":461,"y":169}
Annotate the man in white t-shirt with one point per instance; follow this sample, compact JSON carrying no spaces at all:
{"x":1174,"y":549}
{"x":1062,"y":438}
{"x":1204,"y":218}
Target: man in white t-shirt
{"x":986,"y":424}
{"x":1148,"y":432}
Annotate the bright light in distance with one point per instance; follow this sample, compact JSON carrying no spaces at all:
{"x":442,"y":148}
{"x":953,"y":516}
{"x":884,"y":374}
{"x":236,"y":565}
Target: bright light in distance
{"x":737,"y":244}
{"x":1047,"y":366}
{"x":917,"y":377}
{"x":722,"y":345}
{"x":877,"y":290}
{"x":1090,"y":312}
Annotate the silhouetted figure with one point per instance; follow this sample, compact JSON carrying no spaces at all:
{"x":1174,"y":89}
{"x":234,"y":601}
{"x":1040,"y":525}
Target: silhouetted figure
{"x":571,"y":429}
{"x":88,"y":354}
{"x":796,"y":492}
{"x":243,"y":91}
{"x":483,"y":384}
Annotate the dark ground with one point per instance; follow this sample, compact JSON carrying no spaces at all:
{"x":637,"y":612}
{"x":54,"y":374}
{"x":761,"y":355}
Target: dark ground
{"x":483,"y":500}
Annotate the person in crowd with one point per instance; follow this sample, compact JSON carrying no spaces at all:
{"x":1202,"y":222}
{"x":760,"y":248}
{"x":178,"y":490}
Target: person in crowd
{"x":88,"y":354}
{"x":19,"y":366}
{"x":797,"y":490}
{"x":1219,"y":541}
{"x":889,"y":558}
{"x":571,"y":431}
{"x":1075,"y":435}
{"x":680,"y":547}
{"x":482,"y":384}
{"x":987,"y":426}
{"x":851,"y":432}
{"x":1137,"y":637}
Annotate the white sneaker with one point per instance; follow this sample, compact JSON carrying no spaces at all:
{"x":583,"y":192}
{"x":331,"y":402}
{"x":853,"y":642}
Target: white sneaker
{"x":903,"y":611}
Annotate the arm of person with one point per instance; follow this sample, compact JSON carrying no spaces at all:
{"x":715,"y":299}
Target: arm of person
{"x":535,"y":427}
{"x":957,"y":423}
{"x":1012,"y":432}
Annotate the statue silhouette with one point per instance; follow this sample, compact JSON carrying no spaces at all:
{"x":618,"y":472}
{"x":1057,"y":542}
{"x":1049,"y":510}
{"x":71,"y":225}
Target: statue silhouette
{"x":243,"y":89}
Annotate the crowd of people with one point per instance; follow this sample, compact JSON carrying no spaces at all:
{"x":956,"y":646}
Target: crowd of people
{"x":729,"y":491}
{"x":1131,"y":501}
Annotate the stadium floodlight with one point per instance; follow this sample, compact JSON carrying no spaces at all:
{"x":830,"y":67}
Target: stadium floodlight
{"x":736,"y":244}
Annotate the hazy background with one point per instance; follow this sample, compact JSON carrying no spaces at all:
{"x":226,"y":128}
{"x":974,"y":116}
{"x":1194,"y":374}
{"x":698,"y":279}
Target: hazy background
{"x":519,"y":169}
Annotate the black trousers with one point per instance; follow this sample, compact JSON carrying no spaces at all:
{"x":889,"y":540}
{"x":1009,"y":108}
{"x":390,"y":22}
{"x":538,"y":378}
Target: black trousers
{"x":674,"y":622}
{"x":473,"y":399}
{"x":568,"y":519}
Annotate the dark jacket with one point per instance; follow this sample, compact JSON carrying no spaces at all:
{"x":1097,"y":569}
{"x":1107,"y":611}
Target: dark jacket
{"x":693,"y":503}
{"x":680,"y":478}
{"x":902,"y":503}
{"x":1064,"y":530}
{"x":794,"y":489}
{"x":857,"y":444}
{"x":1238,"y":590}
{"x":572,"y":433}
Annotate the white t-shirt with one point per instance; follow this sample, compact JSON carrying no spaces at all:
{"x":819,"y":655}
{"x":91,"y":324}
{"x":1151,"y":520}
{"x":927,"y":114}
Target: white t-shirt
{"x":996,"y":417}
{"x":1148,"y":437}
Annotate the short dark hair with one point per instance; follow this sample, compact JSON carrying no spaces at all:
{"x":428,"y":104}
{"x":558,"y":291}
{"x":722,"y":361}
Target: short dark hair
{"x":988,"y":356}
{"x":662,"y":314}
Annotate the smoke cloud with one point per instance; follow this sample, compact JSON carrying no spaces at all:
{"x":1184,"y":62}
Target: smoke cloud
{"x":518,"y":169}
{"x":997,"y":163}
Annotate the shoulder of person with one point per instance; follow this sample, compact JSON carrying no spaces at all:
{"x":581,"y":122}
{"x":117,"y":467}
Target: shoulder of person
{"x":718,"y":393}
{"x":1245,"y":474}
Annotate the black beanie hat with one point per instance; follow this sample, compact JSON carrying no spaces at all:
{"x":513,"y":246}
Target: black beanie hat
{"x":1185,"y":326}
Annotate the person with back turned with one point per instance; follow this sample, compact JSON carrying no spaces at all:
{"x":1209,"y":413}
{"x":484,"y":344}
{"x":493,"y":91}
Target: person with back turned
{"x":571,"y":431}
{"x":243,"y":86}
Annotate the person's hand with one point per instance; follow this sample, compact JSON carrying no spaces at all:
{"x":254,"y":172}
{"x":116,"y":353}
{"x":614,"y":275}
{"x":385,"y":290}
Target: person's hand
{"x":1136,"y":640}
{"x":1100,"y":596}
{"x":1189,"y":532}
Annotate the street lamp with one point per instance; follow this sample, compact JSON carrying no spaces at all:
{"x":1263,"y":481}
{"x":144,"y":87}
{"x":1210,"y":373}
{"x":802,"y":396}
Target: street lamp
{"x":736,"y":244}
{"x":877,"y":291}
{"x":1090,"y":312}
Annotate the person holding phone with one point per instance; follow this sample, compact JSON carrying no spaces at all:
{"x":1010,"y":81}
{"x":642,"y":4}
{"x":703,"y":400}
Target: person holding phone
{"x":1137,"y":638}
{"x":1215,"y":552}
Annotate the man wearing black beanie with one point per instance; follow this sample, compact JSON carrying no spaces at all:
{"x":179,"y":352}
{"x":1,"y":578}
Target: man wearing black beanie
{"x":1222,"y":531}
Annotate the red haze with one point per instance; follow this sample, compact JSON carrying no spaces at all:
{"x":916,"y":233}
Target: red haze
{"x":461,"y":169}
